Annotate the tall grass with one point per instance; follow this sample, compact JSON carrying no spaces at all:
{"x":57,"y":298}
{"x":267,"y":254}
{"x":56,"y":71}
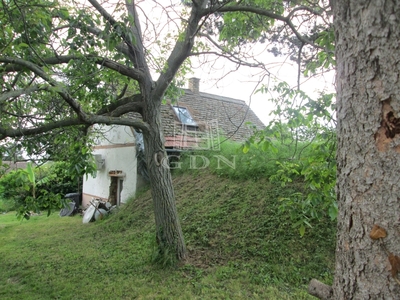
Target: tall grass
{"x":285,"y":160}
{"x":254,"y":164}
{"x":240,"y":247}
{"x":241,"y":244}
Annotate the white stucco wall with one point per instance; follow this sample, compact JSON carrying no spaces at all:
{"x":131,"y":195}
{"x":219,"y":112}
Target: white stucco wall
{"x":117,"y":146}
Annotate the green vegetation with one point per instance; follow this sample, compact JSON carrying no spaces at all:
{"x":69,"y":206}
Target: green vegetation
{"x":313,"y":172}
{"x":241,"y":208}
{"x":298,"y":145}
{"x":303,"y":136}
{"x":241,"y":246}
{"x":36,"y":188}
{"x":99,"y":62}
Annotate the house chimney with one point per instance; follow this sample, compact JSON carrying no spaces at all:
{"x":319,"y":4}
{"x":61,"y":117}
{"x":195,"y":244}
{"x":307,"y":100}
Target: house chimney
{"x":194,"y":85}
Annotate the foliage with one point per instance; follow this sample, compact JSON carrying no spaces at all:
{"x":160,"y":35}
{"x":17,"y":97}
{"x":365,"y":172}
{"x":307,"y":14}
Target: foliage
{"x":238,"y":28}
{"x":10,"y":152}
{"x":37,"y":189}
{"x":324,"y":59}
{"x":283,"y":161}
{"x":312,"y":47}
{"x":67,"y":65}
{"x":300,"y":142}
{"x":35,"y":28}
{"x":76,"y":157}
{"x":237,"y":166}
{"x":307,"y":129}
{"x":3,"y":167}
{"x":61,"y":180}
{"x":241,"y":247}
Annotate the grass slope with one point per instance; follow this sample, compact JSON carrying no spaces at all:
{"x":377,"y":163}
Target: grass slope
{"x":241,"y":247}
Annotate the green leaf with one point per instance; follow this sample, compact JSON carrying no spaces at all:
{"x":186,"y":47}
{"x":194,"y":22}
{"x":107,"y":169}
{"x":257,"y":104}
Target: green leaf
{"x":246,"y":147}
{"x":23,"y":45}
{"x":265,"y":145}
{"x":333,"y":211}
{"x":30,"y":173}
{"x":302,"y":230}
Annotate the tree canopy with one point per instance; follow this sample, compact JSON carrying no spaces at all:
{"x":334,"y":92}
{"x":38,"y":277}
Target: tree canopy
{"x":66,"y":65}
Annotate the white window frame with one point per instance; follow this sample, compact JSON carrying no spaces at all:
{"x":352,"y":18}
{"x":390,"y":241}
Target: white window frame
{"x":184,"y":115}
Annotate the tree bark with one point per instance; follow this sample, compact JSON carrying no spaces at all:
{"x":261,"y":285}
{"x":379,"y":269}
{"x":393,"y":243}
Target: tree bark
{"x":368,"y":183}
{"x":320,"y":290}
{"x":168,"y":229}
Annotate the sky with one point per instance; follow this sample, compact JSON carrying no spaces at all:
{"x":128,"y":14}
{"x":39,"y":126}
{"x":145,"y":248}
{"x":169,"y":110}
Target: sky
{"x":242,"y":83}
{"x":216,"y":76}
{"x":161,"y":18}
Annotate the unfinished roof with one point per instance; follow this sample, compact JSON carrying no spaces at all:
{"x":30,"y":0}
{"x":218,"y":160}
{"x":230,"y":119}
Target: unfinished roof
{"x":209,"y":115}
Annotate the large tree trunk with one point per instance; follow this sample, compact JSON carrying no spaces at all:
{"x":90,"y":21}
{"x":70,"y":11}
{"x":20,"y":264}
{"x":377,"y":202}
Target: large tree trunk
{"x":168,"y":229}
{"x":368,"y":183}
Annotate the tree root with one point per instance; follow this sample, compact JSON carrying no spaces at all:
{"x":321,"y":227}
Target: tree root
{"x":320,"y":290}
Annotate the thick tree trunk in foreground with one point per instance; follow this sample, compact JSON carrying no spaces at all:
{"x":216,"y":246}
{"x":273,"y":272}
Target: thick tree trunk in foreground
{"x":368,"y":108}
{"x":168,"y":229}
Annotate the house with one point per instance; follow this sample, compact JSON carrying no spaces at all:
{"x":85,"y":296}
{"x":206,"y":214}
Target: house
{"x":196,"y":121}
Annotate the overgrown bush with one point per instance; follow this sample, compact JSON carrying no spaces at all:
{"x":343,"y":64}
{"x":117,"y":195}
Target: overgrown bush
{"x":306,"y":129}
{"x":61,"y":181}
{"x":299,"y":144}
{"x":229,"y":161}
{"x":36,"y":189}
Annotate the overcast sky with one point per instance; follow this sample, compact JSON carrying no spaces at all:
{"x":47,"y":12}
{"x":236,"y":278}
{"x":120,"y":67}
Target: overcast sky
{"x":162,"y":17}
{"x":242,"y":83}
{"x":215,"y":73}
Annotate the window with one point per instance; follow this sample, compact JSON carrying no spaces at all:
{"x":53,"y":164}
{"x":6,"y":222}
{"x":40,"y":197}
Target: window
{"x":184,"y":116}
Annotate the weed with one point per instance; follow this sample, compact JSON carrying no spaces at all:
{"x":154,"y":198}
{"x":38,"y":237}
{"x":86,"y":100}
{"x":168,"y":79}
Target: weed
{"x":240,"y":246}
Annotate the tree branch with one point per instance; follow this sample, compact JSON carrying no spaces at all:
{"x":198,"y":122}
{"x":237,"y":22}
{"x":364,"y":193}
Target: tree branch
{"x":90,"y":120}
{"x":16,"y":64}
{"x":10,"y":132}
{"x":127,"y":108}
{"x":269,"y":14}
{"x":136,"y":31}
{"x":130,"y":104}
{"x":135,"y":47}
{"x":59,"y":88}
{"x":228,"y":55}
{"x":234,"y":59}
{"x":123,"y":91}
{"x":182,"y":49}
{"x":39,"y":72}
{"x":122,"y":48}
{"x":26,"y":91}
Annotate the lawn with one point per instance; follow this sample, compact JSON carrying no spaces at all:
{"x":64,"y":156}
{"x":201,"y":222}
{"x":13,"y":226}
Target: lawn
{"x":240,"y":248}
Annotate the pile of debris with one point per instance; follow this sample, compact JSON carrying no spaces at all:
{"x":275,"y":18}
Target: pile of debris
{"x":97,"y":210}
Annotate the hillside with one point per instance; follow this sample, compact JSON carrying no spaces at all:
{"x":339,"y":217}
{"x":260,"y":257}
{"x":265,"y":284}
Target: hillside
{"x":240,"y":244}
{"x":237,"y":225}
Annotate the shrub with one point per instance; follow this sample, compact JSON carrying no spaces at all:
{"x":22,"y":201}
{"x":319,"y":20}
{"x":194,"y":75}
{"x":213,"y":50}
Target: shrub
{"x":36,"y":189}
{"x":229,"y":161}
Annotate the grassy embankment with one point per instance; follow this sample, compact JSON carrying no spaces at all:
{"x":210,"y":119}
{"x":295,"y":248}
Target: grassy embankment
{"x":241,"y":247}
